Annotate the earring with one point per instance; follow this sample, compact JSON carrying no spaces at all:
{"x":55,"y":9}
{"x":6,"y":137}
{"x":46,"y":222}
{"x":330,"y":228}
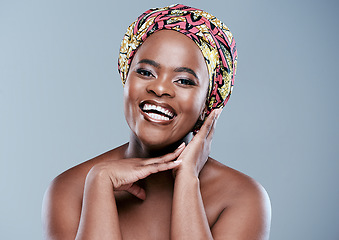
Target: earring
{"x":203,"y":115}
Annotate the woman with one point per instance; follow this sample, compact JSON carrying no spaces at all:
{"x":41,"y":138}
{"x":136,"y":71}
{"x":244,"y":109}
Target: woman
{"x":177,"y":64}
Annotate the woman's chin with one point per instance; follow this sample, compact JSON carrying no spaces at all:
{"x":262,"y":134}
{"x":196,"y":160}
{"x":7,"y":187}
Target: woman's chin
{"x":156,"y":139}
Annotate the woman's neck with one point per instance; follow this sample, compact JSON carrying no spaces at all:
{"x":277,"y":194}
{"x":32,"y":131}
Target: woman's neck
{"x":136,"y":149}
{"x":161,"y":182}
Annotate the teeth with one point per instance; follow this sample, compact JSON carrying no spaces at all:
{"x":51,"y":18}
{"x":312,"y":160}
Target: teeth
{"x":157,"y":116}
{"x":147,"y":107}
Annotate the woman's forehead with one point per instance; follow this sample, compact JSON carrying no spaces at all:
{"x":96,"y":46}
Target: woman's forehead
{"x":171,"y":48}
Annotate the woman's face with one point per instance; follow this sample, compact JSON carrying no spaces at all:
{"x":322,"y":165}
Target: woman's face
{"x":166,"y":88}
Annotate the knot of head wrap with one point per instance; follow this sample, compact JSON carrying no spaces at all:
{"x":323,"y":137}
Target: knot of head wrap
{"x":212,"y":37}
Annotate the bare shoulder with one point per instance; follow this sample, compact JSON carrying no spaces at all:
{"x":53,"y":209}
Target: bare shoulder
{"x":63,"y":198}
{"x":230,"y":182}
{"x":243,"y":203}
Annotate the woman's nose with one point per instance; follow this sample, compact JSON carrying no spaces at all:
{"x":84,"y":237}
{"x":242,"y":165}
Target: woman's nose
{"x":161,"y":87}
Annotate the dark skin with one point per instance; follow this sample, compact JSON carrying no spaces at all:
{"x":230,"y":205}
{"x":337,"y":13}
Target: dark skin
{"x":159,"y":185}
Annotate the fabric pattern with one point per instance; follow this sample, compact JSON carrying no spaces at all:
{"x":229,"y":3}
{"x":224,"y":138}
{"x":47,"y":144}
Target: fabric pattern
{"x":214,"y":39}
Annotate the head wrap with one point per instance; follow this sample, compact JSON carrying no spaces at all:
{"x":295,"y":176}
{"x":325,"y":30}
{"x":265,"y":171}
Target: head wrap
{"x":212,"y":37}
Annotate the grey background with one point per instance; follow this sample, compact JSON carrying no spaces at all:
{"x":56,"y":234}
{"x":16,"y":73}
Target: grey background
{"x":61,"y":103}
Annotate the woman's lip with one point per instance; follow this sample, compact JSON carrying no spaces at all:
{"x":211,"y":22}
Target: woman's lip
{"x":158,"y":121}
{"x":154,"y":120}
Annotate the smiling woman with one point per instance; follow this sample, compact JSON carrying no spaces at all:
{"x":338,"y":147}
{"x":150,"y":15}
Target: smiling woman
{"x":177,"y":64}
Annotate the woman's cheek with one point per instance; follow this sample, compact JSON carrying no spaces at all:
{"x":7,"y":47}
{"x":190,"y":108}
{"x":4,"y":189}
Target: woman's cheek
{"x":129,"y":101}
{"x":194,"y":103}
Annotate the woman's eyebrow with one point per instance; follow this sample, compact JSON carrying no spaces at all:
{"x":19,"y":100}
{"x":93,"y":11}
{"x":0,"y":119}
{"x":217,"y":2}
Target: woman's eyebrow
{"x":150,"y":62}
{"x":178,"y":69}
{"x":185,"y":69}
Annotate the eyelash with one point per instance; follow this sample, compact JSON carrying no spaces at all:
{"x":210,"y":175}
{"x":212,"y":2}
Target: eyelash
{"x":144,"y":72}
{"x":184,"y":81}
{"x":181,"y":81}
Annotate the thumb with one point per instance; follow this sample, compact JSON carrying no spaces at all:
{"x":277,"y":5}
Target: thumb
{"x":137,"y":191}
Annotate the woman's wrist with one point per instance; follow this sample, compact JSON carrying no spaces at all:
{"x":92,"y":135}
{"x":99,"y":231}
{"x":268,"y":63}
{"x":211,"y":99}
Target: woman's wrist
{"x":188,"y":174}
{"x":98,"y":176}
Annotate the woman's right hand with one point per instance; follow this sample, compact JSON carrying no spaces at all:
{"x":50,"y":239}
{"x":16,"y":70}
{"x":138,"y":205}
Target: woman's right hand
{"x":123,"y":173}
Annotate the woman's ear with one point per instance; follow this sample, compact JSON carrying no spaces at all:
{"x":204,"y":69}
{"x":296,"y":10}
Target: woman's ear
{"x":203,"y":114}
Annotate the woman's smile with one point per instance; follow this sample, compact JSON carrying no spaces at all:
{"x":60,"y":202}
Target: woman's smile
{"x":157,"y":112}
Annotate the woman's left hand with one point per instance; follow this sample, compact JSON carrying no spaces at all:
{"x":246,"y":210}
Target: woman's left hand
{"x":196,"y":152}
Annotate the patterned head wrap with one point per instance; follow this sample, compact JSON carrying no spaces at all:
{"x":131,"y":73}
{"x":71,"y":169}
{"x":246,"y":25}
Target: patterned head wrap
{"x":212,"y":37}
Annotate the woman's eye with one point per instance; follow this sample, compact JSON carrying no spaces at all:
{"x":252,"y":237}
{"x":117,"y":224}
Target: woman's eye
{"x":144,"y":72}
{"x":185,"y":82}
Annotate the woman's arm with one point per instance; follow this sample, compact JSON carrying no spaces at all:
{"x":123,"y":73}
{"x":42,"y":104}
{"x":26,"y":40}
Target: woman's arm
{"x":68,"y":216}
{"x":247,"y":218}
{"x":65,"y":218}
{"x":189,"y":220}
{"x":246,"y":215}
{"x":99,"y":215}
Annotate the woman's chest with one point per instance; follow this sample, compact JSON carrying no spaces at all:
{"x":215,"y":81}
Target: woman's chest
{"x":150,"y":219}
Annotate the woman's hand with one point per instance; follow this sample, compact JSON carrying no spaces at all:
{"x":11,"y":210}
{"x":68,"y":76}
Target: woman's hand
{"x":196,"y":153}
{"x":123,"y":173}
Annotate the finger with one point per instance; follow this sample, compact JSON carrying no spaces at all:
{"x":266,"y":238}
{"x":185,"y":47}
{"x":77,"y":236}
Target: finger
{"x":137,"y":191}
{"x":166,"y":158}
{"x":144,"y":171}
{"x":159,"y":167}
{"x":206,"y":127}
{"x":212,"y":130}
{"x":211,"y":133}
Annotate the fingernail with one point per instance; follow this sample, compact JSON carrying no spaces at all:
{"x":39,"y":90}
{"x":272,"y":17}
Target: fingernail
{"x":178,"y":161}
{"x":218,"y":112}
{"x":181,"y":145}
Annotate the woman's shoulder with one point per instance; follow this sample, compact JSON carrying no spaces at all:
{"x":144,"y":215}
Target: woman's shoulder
{"x":233,"y":199}
{"x":69,"y":185}
{"x":64,"y":195}
{"x":80,"y":171}
{"x":77,"y":174}
{"x":232,"y":186}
